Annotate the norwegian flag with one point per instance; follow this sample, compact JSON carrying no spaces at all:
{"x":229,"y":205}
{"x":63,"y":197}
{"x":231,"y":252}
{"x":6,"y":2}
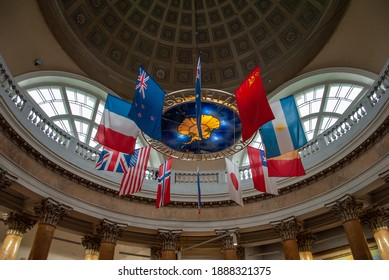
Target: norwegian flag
{"x":164,"y":177}
{"x":114,"y":161}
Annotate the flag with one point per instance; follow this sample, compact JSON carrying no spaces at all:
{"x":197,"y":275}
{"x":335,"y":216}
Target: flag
{"x":116,"y":130}
{"x":198,"y":97}
{"x":198,"y":191}
{"x":253,"y":107}
{"x":164,"y":177}
{"x":114,"y":161}
{"x":259,"y":171}
{"x":286,"y":165}
{"x":233,"y":182}
{"x":133,"y":179}
{"x":146,"y":110}
{"x":285,"y":133}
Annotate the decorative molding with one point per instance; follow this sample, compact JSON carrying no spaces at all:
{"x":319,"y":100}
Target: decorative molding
{"x":51,"y":212}
{"x":347,"y":208}
{"x":227,"y":239}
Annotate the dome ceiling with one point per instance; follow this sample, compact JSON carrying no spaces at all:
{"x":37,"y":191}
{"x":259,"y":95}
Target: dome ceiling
{"x":109,"y":39}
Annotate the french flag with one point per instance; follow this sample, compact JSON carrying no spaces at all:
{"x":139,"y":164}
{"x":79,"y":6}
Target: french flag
{"x":116,"y":130}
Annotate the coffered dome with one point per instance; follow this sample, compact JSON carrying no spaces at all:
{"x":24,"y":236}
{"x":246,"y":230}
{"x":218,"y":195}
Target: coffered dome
{"x":110,"y":39}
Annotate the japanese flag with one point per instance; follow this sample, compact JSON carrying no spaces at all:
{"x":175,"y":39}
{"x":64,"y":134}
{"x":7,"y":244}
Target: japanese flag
{"x":233,"y":182}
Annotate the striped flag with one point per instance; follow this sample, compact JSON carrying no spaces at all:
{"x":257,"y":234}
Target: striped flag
{"x":286,"y":165}
{"x":164,"y":178}
{"x":198,"y":97}
{"x":116,"y":130}
{"x":198,"y":191}
{"x":285,"y":133}
{"x":133,"y":179}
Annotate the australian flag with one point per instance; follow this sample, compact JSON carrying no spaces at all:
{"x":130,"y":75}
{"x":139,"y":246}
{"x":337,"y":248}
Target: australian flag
{"x":146,"y":109}
{"x":114,"y":161}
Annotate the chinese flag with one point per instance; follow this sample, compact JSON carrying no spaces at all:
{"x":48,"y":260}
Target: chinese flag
{"x":254,"y":109}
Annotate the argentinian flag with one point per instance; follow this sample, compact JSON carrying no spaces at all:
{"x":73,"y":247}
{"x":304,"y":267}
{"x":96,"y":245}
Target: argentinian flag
{"x":285,"y":133}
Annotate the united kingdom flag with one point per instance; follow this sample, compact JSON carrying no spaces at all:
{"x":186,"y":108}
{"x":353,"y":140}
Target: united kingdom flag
{"x":114,"y":161}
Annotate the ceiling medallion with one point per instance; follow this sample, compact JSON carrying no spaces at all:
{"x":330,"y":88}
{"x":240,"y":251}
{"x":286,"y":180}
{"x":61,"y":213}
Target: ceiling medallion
{"x":221,"y":127}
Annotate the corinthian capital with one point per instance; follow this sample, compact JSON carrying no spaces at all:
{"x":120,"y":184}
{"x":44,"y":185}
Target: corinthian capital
{"x":109,"y":231}
{"x":51,"y":212}
{"x":170,"y":239}
{"x":347,"y":208}
{"x":287,"y":229}
{"x":18,"y":223}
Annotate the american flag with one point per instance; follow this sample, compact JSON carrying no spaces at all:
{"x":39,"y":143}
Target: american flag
{"x":164,"y":178}
{"x":114,"y":161}
{"x":133,"y":179}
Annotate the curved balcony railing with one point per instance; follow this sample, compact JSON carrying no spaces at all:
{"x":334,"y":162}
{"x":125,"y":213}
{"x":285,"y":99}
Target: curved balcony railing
{"x":75,"y":155}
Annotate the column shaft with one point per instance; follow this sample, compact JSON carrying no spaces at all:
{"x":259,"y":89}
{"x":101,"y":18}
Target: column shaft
{"x":168,"y":255}
{"x":10,"y":246}
{"x":381,"y":237}
{"x":306,"y":255}
{"x":42,"y":242}
{"x":291,"y":249}
{"x":107,"y":251}
{"x":357,"y":240}
{"x":230,"y":254}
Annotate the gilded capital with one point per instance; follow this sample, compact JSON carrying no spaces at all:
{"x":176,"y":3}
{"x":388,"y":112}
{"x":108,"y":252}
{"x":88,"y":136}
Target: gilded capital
{"x":347,"y":208}
{"x":18,"y":223}
{"x":109,"y":231}
{"x":287,"y":229}
{"x":51,"y":212}
{"x":91,"y":242}
{"x":375,"y":218}
{"x":305,"y":241}
{"x":169,"y":239}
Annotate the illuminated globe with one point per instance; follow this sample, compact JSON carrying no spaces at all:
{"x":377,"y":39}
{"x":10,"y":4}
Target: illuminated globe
{"x":220,"y":126}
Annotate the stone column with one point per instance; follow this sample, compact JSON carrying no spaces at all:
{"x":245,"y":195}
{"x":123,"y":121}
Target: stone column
{"x":155,"y":253}
{"x":91,"y":244}
{"x":288,"y":230}
{"x":4,"y":181}
{"x":18,"y":224}
{"x":50,"y":212}
{"x":348,"y":209}
{"x":108,"y":232}
{"x":305,"y":240}
{"x":376,"y":219}
{"x":170,"y":241}
{"x":229,"y":244}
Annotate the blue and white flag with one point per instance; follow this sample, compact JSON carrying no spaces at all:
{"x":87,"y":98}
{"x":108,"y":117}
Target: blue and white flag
{"x":146,"y":109}
{"x":285,"y":133}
